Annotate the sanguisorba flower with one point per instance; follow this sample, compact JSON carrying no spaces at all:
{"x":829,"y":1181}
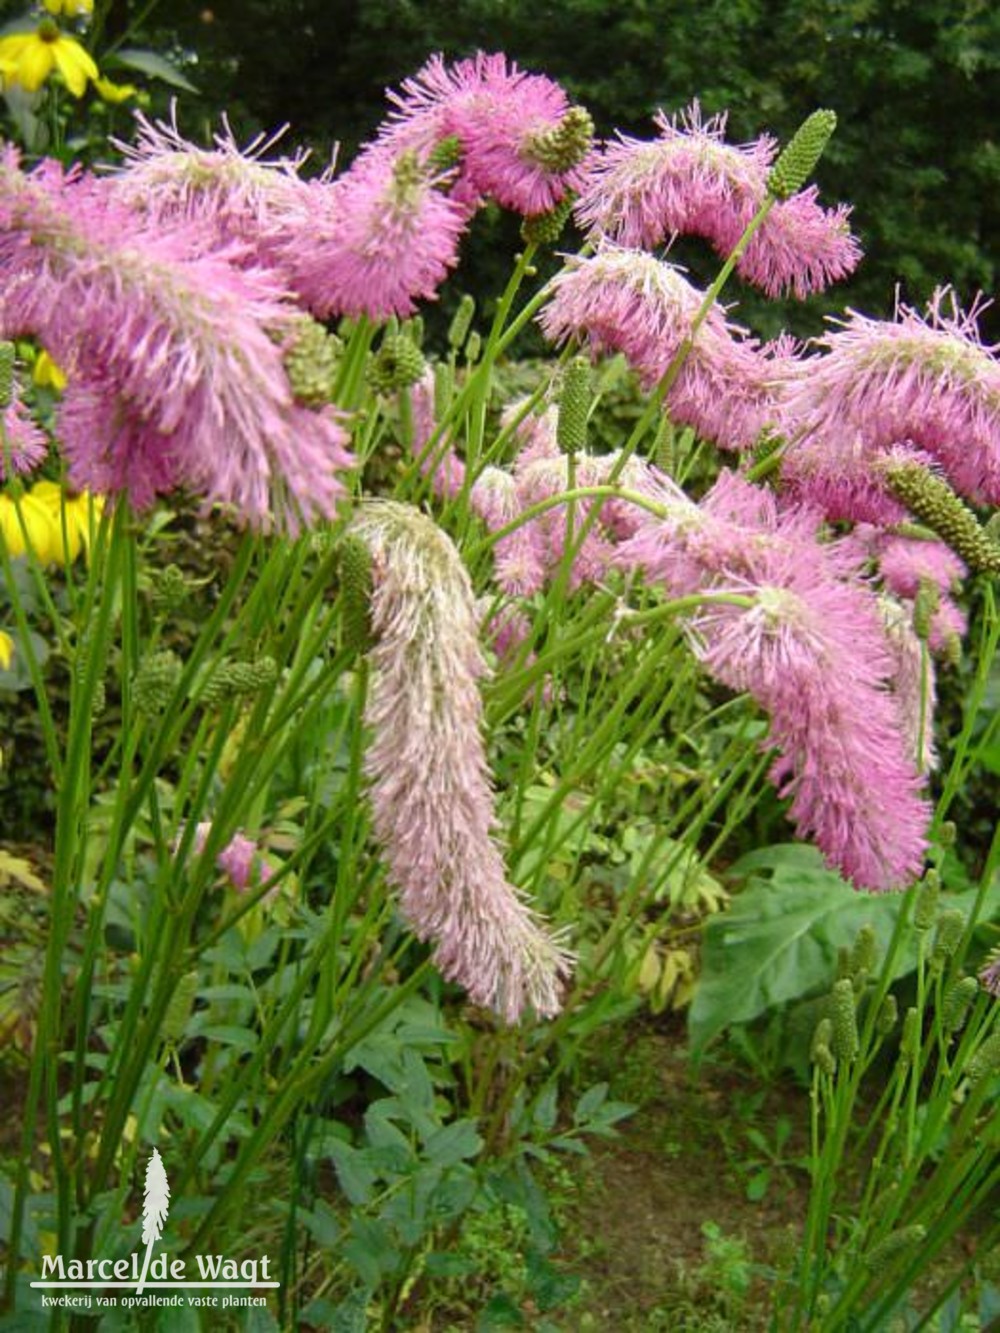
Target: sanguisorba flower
{"x":689,"y":181}
{"x":926,"y":382}
{"x":621,"y":300}
{"x":430,"y":787}
{"x":374,"y":242}
{"x":176,"y":375}
{"x":28,"y":58}
{"x":23,"y":444}
{"x":516,"y":137}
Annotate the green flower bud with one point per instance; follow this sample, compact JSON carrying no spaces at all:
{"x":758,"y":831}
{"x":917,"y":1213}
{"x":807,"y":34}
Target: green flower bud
{"x":958,"y":997}
{"x":936,"y":504}
{"x":249,"y":677}
{"x":888,"y":1015}
{"x":310,"y":358}
{"x":6,"y":374}
{"x":821,"y":1038}
{"x":904,"y":1238}
{"x":546,"y":228}
{"x":444,"y":389}
{"x":950,"y":928}
{"x":574,"y":407}
{"x":926,"y":603}
{"x":909,"y":1042}
{"x":356,"y":594}
{"x":565,"y":145}
{"x":416,"y":329}
{"x":947,"y":833}
{"x":180,"y":1007}
{"x":925,"y":908}
{"x":824,"y":1060}
{"x":986,"y":1060}
{"x":461,"y":322}
{"x":98,"y":701}
{"x":798,"y":160}
{"x":397,"y":364}
{"x":845,"y":1021}
{"x":864,"y":954}
{"x":168,"y":589}
{"x":154,"y":682}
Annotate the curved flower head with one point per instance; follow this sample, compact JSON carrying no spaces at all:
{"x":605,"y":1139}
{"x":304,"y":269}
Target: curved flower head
{"x":689,"y":181}
{"x":28,"y":58}
{"x":517,"y":138}
{"x":380,"y":238}
{"x":23,"y":444}
{"x":628,"y":301}
{"x":926,"y":381}
{"x":177,"y":378}
{"x":430,"y":788}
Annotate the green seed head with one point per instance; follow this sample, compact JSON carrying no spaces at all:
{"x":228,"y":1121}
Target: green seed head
{"x":473,"y":346}
{"x":909,"y":1042}
{"x":461,"y":322}
{"x":925,"y":908}
{"x":6,"y":374}
{"x":986,"y":1060}
{"x":958,"y":997}
{"x":897,"y":1242}
{"x":798,"y":160}
{"x":546,"y":228}
{"x":821,"y":1038}
{"x":864,"y":954}
{"x":397,"y":364}
{"x":845,"y":1021}
{"x":154,"y":683}
{"x":168,"y":589}
{"x":888,"y":1015}
{"x":950,"y":927}
{"x":934,"y":502}
{"x":926,"y":603}
{"x":311,"y":362}
{"x":355,"y":594}
{"x":565,"y":145}
{"x":574,"y":407}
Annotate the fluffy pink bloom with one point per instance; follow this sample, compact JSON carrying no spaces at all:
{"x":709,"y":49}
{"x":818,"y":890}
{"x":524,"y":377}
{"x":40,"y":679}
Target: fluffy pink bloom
{"x":503,"y":120}
{"x":379,"y":239}
{"x":905,"y":562}
{"x":176,"y":379}
{"x":22,"y":442}
{"x":430,"y":788}
{"x":689,"y":181}
{"x":239,"y":860}
{"x":812,"y":650}
{"x":231,"y":193}
{"x":627,"y":301}
{"x":927,"y":381}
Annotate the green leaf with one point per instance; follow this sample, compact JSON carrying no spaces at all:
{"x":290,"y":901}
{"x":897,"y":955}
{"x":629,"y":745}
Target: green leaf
{"x":454,"y":1143}
{"x":590,"y":1103}
{"x":153,"y":65}
{"x":757,"y":1186}
{"x":356,"y":1178}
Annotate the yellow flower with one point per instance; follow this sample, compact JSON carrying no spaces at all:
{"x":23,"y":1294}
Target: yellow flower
{"x":6,"y":651}
{"x":73,"y":9}
{"x":70,"y":516}
{"x":28,"y":58}
{"x":46,"y":373}
{"x":38,"y":526}
{"x":115,"y":92}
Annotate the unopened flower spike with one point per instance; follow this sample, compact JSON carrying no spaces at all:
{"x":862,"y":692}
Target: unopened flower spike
{"x":957,"y":1001}
{"x":797,"y":161}
{"x":546,"y":228}
{"x":154,"y":682}
{"x":398,"y":364}
{"x":6,"y":374}
{"x":445,"y":155}
{"x":355,"y":567}
{"x":461,"y":322}
{"x":574,"y":407}
{"x":311,"y":353}
{"x":565,"y":145}
{"x":936,"y":504}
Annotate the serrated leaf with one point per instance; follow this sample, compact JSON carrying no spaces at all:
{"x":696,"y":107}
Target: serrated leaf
{"x":153,"y":64}
{"x":355,"y":1176}
{"x":454,"y":1143}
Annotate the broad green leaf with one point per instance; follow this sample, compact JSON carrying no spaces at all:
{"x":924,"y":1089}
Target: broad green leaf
{"x":454,"y":1143}
{"x":153,"y":65}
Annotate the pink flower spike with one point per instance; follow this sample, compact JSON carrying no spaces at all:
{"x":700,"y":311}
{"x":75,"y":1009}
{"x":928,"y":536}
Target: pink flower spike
{"x":689,"y":181}
{"x":430,"y":789}
{"x":22,"y":438}
{"x":381,"y":238}
{"x":240,"y":861}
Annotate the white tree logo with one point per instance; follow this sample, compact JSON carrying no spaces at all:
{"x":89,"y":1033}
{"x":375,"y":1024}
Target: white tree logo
{"x":155,"y":1203}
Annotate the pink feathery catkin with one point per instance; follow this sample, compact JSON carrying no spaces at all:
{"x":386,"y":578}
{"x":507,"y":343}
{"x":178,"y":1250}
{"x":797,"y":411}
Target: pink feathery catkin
{"x":811,"y":649}
{"x":498,"y":116}
{"x":177,"y":379}
{"x":926,"y":383}
{"x":628,"y":301}
{"x":23,"y":443}
{"x":689,"y":181}
{"x":431,"y":798}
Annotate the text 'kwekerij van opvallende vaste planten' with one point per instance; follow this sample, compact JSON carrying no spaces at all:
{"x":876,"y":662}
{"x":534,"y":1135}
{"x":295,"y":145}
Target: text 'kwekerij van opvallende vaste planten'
{"x":397,"y":726}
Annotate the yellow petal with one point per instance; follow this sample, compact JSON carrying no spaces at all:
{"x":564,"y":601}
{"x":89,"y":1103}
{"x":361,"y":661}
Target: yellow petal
{"x":115,"y":92}
{"x":75,"y":65}
{"x":34,"y":529}
{"x":46,"y":373}
{"x":6,"y":650}
{"x":34,"y":64}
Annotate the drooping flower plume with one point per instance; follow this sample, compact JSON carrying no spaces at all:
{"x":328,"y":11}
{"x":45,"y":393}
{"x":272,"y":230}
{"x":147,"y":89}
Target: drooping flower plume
{"x":176,"y":378}
{"x":430,"y":787}
{"x":516,"y":136}
{"x":927,"y":383}
{"x":621,"y":300}
{"x":689,"y":181}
